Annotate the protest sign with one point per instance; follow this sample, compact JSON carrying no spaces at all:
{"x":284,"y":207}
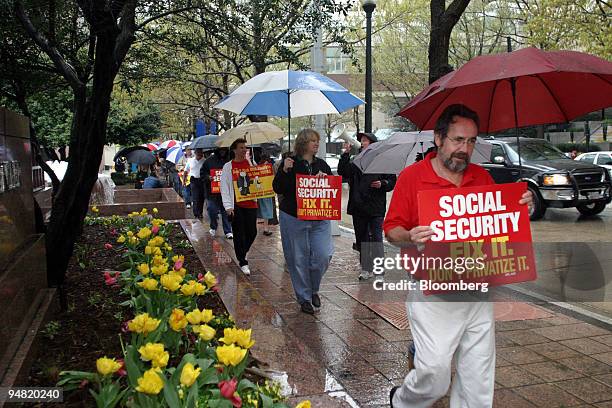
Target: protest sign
{"x":318,"y":198}
{"x":253,"y":182}
{"x":481,"y":234}
{"x":215,"y":181}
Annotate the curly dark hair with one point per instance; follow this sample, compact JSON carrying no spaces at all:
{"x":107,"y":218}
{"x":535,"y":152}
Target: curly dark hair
{"x":448,"y":117}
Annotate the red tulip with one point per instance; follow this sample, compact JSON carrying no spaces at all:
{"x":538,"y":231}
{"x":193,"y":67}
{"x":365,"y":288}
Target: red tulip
{"x":84,"y":384}
{"x":113,"y":232}
{"x":200,"y":277}
{"x":122,"y":371}
{"x":110,"y":279}
{"x":108,"y":246}
{"x":155,"y":229}
{"x":178,"y":265}
{"x":228,"y":390}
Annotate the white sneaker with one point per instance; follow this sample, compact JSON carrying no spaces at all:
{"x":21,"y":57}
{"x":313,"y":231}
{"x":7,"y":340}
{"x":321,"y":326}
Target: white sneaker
{"x":212,"y":232}
{"x":364,"y":275}
{"x":245,"y":269}
{"x":229,"y":235}
{"x":188,"y":206}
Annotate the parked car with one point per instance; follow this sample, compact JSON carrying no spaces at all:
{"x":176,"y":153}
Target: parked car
{"x":554,"y":179}
{"x":603,"y":159}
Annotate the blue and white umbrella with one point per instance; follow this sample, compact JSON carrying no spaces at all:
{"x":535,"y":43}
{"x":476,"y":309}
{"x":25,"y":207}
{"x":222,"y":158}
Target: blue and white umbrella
{"x":174,"y":154}
{"x":289,"y":94}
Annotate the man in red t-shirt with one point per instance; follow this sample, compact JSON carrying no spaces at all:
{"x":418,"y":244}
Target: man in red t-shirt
{"x":441,"y":329}
{"x":243,"y":214}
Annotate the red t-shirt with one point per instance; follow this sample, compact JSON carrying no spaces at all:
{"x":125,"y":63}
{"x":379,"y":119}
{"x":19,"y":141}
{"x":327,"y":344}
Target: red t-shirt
{"x":242,"y":165}
{"x":404,"y":209}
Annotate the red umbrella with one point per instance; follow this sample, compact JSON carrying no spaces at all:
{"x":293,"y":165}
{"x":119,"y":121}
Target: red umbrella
{"x":522,"y":88}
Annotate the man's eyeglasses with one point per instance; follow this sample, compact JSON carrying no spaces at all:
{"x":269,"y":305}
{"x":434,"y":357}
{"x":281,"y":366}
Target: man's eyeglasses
{"x":460,"y":140}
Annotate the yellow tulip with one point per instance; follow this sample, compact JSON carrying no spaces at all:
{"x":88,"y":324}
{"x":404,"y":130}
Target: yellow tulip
{"x":155,"y":210}
{"x":178,"y":258}
{"x":150,"y":382}
{"x":199,"y":289}
{"x":238,"y":336}
{"x":230,"y":355}
{"x":94,"y":209}
{"x":189,"y":288}
{"x":206,"y":332}
{"x":159,"y":269}
{"x":155,"y":353}
{"x":121,"y":239}
{"x":107,"y":366}
{"x":159,"y":260}
{"x":133,"y":241}
{"x":148,"y":284}
{"x":143,"y":323}
{"x":177,"y":320}
{"x":144,"y":233}
{"x":189,"y":374}
{"x":170,"y":281}
{"x":130,"y":234}
{"x":194,"y":317}
{"x":148,"y":250}
{"x":207,"y":315}
{"x":210,"y":279}
{"x":303,"y":404}
{"x":143,"y":268}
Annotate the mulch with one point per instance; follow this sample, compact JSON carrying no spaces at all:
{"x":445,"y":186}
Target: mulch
{"x":91,"y":325}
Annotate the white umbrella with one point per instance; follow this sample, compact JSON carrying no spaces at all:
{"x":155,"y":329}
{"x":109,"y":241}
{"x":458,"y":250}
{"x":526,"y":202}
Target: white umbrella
{"x":254,"y":133}
{"x":174,"y":154}
{"x":169,"y":143}
{"x":289,"y":94}
{"x":400,"y":150}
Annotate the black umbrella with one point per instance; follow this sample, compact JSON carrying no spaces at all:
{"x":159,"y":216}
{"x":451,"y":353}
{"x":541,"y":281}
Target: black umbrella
{"x":136,"y":154}
{"x":127,"y":150}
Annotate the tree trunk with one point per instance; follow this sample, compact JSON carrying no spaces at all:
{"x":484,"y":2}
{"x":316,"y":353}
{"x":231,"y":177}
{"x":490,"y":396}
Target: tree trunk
{"x":86,"y":147}
{"x":443,"y":21}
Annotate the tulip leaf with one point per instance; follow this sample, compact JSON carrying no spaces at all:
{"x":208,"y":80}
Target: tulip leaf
{"x":266,"y":401}
{"x":245,"y":385}
{"x":209,"y":376}
{"x":204,"y":363}
{"x":192,"y":397}
{"x":131,"y":365}
{"x":170,"y":394}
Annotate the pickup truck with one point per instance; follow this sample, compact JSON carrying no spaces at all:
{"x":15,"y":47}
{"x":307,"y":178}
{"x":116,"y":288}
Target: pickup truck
{"x":554,"y":179}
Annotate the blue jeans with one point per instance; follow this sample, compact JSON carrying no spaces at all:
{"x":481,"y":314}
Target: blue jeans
{"x":187,"y":194}
{"x":308,"y":249}
{"x":215,"y":206}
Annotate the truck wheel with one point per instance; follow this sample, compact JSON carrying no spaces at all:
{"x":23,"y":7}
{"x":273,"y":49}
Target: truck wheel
{"x":591,"y":209}
{"x":539,"y":206}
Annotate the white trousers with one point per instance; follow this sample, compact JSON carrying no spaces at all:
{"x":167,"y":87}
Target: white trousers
{"x":440,"y":331}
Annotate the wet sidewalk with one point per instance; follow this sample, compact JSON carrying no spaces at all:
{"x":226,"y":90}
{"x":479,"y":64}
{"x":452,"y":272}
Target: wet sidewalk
{"x":355,"y":349}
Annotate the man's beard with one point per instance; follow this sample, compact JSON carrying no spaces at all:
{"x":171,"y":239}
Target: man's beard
{"x":457,"y":167}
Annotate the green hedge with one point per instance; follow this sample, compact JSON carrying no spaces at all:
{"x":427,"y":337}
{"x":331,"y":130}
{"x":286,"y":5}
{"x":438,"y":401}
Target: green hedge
{"x":579,"y":147}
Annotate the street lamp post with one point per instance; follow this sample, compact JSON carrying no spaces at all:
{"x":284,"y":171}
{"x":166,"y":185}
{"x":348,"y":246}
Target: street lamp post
{"x":368,"y":7}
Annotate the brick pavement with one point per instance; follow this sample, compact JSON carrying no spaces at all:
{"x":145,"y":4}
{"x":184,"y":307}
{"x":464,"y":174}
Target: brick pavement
{"x":554,"y":361}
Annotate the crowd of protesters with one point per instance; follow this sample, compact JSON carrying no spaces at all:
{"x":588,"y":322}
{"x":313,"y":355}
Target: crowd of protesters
{"x":438,"y":328}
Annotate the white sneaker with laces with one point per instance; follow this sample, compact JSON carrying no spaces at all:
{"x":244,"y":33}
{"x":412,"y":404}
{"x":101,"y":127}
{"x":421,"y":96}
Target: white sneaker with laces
{"x":245,"y":269}
{"x":212,"y":232}
{"x":229,"y":235}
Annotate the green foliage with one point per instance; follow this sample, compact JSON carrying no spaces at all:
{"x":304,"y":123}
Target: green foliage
{"x":52,"y":117}
{"x":132,"y":123}
{"x":579,"y":147}
{"x":51,"y":329}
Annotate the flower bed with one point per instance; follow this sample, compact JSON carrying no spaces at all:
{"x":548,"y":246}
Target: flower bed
{"x":150,"y":325}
